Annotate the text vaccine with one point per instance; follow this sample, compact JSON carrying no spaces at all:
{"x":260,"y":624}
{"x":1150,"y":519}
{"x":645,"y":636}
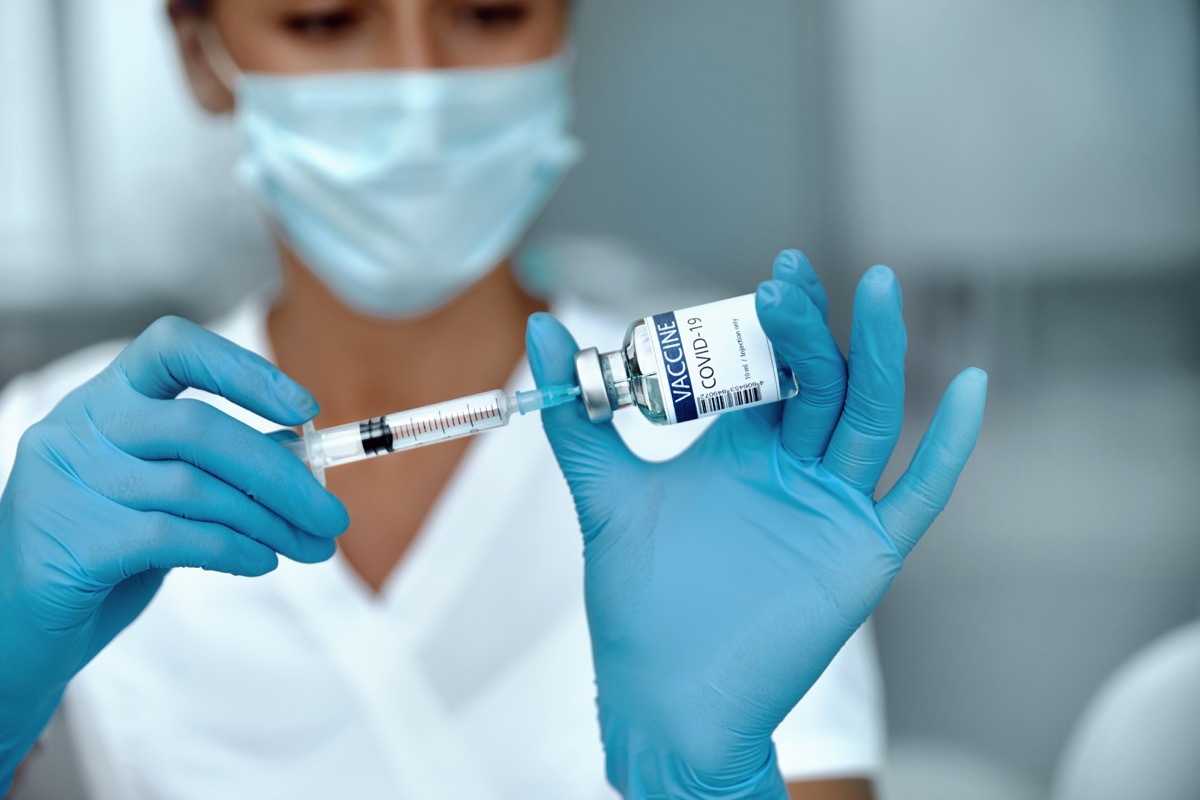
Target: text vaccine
{"x":687,"y":364}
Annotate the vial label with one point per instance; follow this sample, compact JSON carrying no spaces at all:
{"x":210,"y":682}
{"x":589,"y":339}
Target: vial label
{"x":713,"y":358}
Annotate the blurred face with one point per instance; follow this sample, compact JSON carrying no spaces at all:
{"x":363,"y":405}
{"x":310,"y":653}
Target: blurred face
{"x":308,"y":36}
{"x":397,"y":196}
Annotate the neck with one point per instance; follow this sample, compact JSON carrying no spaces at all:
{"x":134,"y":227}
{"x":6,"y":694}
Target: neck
{"x":359,"y":366}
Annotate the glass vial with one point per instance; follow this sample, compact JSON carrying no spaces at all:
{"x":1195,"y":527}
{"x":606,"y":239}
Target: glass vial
{"x":687,"y":364}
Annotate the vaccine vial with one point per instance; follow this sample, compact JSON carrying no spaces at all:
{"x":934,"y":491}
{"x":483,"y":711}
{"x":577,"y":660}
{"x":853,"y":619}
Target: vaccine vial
{"x":687,"y":364}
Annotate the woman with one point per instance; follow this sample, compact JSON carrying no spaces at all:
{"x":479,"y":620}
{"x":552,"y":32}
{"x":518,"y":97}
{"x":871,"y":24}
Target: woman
{"x":400,"y":149}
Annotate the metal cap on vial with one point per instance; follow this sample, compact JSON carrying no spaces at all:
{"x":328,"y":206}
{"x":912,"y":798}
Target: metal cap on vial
{"x":593,"y":388}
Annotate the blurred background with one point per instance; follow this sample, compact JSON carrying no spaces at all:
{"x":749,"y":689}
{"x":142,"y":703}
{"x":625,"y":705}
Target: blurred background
{"x":1030,"y":168}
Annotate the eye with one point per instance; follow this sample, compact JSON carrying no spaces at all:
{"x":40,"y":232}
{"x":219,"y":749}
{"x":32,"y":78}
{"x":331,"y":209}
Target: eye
{"x":323,"y":24}
{"x":493,"y":16}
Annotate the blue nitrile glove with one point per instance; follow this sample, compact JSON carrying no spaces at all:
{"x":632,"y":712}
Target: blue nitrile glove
{"x":721,"y":584}
{"x":121,"y":482}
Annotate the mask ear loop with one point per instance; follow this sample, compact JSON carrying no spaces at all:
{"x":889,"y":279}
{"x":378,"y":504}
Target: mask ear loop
{"x":226,"y":70}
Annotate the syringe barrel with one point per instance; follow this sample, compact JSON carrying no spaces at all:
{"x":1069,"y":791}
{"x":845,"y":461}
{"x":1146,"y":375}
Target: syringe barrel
{"x":342,"y":444}
{"x":404,"y":430}
{"x":452,"y":419}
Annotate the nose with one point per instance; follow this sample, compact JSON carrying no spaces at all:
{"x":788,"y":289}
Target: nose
{"x":408,"y":40}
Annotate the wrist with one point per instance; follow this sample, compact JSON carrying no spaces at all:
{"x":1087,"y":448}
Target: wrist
{"x":643,"y":770}
{"x":19,"y":732}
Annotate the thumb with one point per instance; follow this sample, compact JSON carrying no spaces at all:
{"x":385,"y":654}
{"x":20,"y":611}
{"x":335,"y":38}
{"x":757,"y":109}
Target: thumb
{"x":591,"y":455}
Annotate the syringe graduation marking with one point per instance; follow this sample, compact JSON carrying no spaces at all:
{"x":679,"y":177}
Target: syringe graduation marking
{"x":415,"y":426}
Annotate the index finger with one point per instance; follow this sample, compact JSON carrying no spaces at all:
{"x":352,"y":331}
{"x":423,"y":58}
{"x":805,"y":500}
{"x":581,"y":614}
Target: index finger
{"x":197,"y":433}
{"x":174,"y":354}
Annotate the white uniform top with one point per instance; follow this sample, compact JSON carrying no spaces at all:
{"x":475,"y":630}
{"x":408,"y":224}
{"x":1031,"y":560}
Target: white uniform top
{"x":468,"y":676}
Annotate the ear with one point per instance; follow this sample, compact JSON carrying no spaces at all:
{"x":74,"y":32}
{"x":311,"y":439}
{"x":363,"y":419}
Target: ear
{"x":213,"y":95}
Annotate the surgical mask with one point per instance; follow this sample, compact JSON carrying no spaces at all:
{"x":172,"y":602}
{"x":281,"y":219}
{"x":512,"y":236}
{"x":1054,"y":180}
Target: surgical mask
{"x":402,"y":189}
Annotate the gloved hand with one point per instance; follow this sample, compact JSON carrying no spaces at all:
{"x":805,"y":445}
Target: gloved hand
{"x":120,"y":483}
{"x":721,"y":584}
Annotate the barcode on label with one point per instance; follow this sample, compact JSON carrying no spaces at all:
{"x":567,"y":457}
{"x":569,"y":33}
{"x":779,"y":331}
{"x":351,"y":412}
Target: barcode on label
{"x":715,"y":402}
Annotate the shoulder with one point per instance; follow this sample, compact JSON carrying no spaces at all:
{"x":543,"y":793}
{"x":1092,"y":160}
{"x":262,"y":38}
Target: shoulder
{"x":53,"y":381}
{"x":29,"y":397}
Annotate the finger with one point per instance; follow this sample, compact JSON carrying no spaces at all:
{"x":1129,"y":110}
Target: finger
{"x":911,"y":506}
{"x":174,"y":354}
{"x":870,"y":423}
{"x":154,"y":540}
{"x":798,"y":332}
{"x":591,"y":455}
{"x":792,"y":266}
{"x":185,"y":491}
{"x":194,"y":432}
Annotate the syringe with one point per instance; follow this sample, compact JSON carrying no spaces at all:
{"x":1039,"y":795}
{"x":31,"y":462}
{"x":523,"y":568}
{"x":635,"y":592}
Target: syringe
{"x":404,"y":430}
